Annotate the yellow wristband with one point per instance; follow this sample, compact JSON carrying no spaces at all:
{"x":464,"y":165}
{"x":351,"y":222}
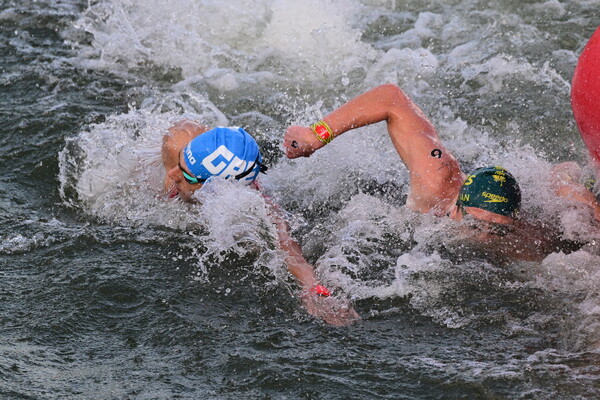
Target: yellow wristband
{"x":322,"y":131}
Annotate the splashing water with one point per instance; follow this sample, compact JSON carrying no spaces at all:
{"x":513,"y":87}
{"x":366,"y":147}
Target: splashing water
{"x":493,"y":78}
{"x":238,"y":61}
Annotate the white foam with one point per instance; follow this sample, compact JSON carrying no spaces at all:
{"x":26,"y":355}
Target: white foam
{"x":241,"y":35}
{"x":577,"y":275}
{"x":403,"y":66}
{"x":550,"y":9}
{"x":17,"y":243}
{"x":494,"y":73}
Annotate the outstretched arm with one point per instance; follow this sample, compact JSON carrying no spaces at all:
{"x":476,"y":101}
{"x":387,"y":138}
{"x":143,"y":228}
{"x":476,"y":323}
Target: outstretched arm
{"x":435,"y":175}
{"x":315,"y":297}
{"x":565,"y":181}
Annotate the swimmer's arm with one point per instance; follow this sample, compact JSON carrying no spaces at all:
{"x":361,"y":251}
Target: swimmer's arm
{"x":435,"y":174}
{"x":296,"y":263}
{"x":565,"y":182}
{"x":384,"y":103}
{"x":178,"y":136}
{"x":332,"y":310}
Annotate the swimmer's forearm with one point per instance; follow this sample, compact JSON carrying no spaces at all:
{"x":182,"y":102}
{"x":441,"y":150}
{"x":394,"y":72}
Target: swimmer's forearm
{"x":296,"y":263}
{"x":577,"y":192}
{"x":383,"y":103}
{"x":294,"y":259}
{"x":302,"y":271}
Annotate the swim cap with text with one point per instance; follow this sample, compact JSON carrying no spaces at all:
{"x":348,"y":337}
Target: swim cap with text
{"x":225,"y":152}
{"x":492,"y":189}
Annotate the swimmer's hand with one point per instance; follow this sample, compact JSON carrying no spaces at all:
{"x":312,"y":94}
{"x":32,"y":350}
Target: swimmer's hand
{"x":333,"y":310}
{"x":300,"y":141}
{"x":172,"y":193}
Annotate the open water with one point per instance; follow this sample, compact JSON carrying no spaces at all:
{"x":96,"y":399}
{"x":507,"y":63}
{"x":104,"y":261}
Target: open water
{"x":107,"y":291}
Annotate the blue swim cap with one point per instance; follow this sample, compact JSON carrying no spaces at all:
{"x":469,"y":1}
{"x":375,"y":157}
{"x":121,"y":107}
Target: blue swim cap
{"x":225,"y":152}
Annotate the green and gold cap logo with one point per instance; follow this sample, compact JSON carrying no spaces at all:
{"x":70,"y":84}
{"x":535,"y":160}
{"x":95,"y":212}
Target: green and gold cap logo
{"x":492,"y":189}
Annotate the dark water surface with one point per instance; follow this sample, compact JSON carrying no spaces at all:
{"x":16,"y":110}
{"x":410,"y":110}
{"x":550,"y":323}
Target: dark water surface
{"x":107,"y":292}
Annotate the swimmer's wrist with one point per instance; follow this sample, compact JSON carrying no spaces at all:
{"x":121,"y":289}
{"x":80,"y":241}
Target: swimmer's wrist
{"x":320,"y":290}
{"x":322,"y":131}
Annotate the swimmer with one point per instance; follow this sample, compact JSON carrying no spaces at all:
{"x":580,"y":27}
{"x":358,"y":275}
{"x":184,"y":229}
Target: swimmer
{"x":489,"y":196}
{"x":193,"y":153}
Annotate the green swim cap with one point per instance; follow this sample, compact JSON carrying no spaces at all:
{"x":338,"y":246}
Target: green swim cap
{"x":492,"y":189}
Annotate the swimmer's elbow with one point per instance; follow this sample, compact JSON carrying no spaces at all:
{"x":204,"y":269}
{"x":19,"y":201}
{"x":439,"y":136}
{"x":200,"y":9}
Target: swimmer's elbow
{"x":392,"y":95}
{"x":392,"y":88}
{"x":400,"y":109}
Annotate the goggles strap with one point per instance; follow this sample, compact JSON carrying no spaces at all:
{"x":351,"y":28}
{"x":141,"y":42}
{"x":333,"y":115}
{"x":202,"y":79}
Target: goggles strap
{"x":263,"y":169}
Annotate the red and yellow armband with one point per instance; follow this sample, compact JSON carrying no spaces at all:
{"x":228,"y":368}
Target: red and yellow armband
{"x":322,"y":131}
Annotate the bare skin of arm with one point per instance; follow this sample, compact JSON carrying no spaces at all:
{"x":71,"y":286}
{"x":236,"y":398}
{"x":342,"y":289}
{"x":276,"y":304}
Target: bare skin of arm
{"x":297,"y":264}
{"x":566,"y":184}
{"x":332,"y":310}
{"x":435,"y":176}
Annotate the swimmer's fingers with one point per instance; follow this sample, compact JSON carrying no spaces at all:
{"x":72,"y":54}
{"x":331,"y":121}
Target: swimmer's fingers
{"x":332,"y":310}
{"x":300,"y":141}
{"x":295,"y":143}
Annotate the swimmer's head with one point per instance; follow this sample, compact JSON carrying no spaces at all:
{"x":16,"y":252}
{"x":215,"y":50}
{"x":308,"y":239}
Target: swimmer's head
{"x":230,"y":153}
{"x":491,"y":189}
